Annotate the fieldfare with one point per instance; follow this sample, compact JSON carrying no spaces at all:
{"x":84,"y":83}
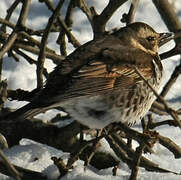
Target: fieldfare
{"x":97,"y":84}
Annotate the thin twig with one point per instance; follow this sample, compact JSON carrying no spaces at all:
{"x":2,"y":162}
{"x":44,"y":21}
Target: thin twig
{"x":60,"y":165}
{"x":24,"y":35}
{"x":127,"y":154}
{"x":13,"y":55}
{"x":10,"y":167}
{"x":175,"y":51}
{"x":168,"y":14}
{"x":8,"y":44}
{"x":68,"y":20}
{"x":172,"y":80}
{"x":26,"y":174}
{"x":100,"y":21}
{"x":136,"y":162}
{"x":41,"y":57}
{"x":31,"y":61}
{"x":84,"y":7}
{"x":170,"y":145}
{"x":54,"y":57}
{"x":151,"y":124}
{"x":95,"y":146}
{"x":1,"y":67}
{"x":129,"y":18}
{"x":24,"y":13}
{"x":21,"y":22}
{"x":78,"y":150}
{"x":9,"y":14}
{"x":63,"y":25}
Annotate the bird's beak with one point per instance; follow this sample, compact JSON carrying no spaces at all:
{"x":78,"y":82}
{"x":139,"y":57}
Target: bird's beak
{"x":165,"y":37}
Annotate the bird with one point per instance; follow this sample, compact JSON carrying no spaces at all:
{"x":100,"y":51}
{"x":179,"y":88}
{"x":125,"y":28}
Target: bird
{"x":98,"y":84}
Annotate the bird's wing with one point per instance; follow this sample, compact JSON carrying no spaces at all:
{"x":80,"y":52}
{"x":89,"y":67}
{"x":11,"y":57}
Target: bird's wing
{"x":103,"y":76}
{"x":96,"y":68}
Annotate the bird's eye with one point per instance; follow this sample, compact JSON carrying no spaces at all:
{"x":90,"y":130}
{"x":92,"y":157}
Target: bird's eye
{"x":150,"y":38}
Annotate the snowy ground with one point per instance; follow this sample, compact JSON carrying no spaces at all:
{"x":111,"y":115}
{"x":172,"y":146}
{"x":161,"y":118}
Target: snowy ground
{"x":26,"y":152}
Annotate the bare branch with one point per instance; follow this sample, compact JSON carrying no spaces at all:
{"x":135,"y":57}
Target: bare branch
{"x":10,"y":167}
{"x":70,"y":36}
{"x":83,"y":6}
{"x":136,"y":161}
{"x":170,"y":145}
{"x":69,"y":22}
{"x":128,"y":154}
{"x":129,"y":18}
{"x":172,"y":80}
{"x":9,"y":44}
{"x":14,"y":34}
{"x":99,"y":21}
{"x":168,"y":14}
{"x":25,"y":173}
{"x":41,"y":57}
{"x":9,"y":13}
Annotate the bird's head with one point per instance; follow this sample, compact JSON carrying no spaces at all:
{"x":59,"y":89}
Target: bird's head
{"x":141,"y":35}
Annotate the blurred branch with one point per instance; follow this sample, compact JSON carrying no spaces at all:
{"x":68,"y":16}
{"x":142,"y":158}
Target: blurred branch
{"x":136,"y":161}
{"x":25,"y":174}
{"x":19,"y":25}
{"x":127,"y":154}
{"x":3,"y":92}
{"x":31,"y":61}
{"x":14,"y":173}
{"x":151,"y":124}
{"x":129,"y":17}
{"x":95,"y":146}
{"x":99,"y":21}
{"x":175,"y":51}
{"x":168,"y":14}
{"x":30,"y":47}
{"x":172,"y":80}
{"x":159,"y":109}
{"x":171,"y":19}
{"x":60,"y":165}
{"x":170,"y":145}
{"x":68,"y":22}
{"x":21,"y":95}
{"x":41,"y":57}
{"x":3,"y":142}
{"x":10,"y":41}
{"x":1,"y":67}
{"x":64,"y":138}
{"x":62,"y":24}
{"x":9,"y":13}
{"x":54,"y":57}
{"x":23,"y":35}
{"x":83,"y":6}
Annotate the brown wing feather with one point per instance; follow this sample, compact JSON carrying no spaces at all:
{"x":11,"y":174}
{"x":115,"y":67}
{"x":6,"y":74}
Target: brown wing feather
{"x":95,"y":79}
{"x":112,"y":70}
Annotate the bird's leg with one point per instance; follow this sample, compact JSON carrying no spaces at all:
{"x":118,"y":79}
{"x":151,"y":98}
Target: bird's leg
{"x":95,"y":146}
{"x":74,"y":156}
{"x":81,"y":145}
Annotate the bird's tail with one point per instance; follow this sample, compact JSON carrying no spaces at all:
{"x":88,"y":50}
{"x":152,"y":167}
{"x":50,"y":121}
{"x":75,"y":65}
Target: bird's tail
{"x":24,"y":112}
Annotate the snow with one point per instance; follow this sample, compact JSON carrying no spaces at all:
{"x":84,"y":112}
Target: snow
{"x":35,"y":156}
